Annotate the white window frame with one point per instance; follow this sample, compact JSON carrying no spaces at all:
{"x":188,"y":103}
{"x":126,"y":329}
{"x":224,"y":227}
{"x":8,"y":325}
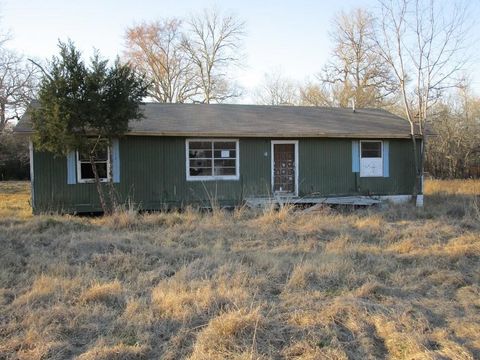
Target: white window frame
{"x":381,"y":158}
{"x":79,"y":169}
{"x":272,"y":174}
{"x":212,"y":177}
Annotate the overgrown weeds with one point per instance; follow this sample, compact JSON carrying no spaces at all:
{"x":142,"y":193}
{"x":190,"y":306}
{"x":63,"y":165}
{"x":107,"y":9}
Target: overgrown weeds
{"x":400,"y":282}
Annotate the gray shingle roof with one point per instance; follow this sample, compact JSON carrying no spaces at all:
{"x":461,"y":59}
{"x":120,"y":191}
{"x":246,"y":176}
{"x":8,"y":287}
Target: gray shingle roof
{"x":222,"y":120}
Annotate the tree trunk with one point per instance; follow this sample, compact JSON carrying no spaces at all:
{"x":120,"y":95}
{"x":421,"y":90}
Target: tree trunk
{"x":416,"y":167}
{"x":421,"y":164}
{"x":106,"y":209}
{"x":111,"y":188}
{"x":3,"y":121}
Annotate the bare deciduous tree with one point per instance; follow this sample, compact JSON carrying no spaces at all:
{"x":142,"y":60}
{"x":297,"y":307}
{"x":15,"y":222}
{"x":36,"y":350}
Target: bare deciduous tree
{"x":214,"y":42}
{"x":455,"y":120}
{"x":157,"y":50}
{"x":355,"y":70}
{"x":421,"y":41}
{"x":277,"y":90}
{"x":312,"y":94}
{"x":17,"y":84}
{"x":14,"y":156}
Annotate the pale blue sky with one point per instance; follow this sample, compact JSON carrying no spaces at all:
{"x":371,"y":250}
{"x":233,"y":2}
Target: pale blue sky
{"x":287,"y":35}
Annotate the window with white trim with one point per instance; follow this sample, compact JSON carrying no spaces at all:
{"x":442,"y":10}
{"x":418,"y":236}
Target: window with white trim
{"x":371,"y":158}
{"x":102,"y":163}
{"x":212,"y":159}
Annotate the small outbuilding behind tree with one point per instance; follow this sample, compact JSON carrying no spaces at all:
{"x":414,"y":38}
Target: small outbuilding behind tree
{"x":199,"y":154}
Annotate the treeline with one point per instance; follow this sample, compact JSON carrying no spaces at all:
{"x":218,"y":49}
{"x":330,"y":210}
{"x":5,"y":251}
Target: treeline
{"x":14,"y":156}
{"x":453,"y":150}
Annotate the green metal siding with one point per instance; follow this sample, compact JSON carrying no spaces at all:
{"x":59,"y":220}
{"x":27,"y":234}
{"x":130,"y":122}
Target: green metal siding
{"x":153,"y":175}
{"x":402,"y":173}
{"x":325,"y":169}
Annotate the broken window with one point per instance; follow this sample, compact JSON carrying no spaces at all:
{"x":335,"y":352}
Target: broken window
{"x":371,"y":161}
{"x":212,"y":160}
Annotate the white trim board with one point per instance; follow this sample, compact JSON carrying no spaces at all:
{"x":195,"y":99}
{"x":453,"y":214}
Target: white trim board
{"x":32,"y":174}
{"x":272,"y":175}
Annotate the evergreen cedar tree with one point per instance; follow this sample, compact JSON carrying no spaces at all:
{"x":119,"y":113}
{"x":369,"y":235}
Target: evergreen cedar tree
{"x":80,"y":105}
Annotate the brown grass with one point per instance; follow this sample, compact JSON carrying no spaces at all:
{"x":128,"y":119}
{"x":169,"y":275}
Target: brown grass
{"x":453,"y":187}
{"x":15,"y":199}
{"x":110,"y":292}
{"x":399,"y":282}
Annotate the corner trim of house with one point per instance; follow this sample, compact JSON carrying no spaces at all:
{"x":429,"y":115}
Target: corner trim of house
{"x":419,"y":201}
{"x":32,"y":193}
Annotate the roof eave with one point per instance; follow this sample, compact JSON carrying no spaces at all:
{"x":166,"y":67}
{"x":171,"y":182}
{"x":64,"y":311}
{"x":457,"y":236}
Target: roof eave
{"x":273,"y":135}
{"x":254,"y":135}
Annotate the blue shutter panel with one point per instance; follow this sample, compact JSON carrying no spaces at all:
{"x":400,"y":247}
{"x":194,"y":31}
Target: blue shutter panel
{"x":386,"y":159}
{"x":71,"y":167}
{"x":116,"y":160}
{"x":355,"y":156}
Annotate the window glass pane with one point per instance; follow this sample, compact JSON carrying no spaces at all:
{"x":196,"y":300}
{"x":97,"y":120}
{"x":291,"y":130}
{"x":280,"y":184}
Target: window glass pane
{"x":225,"y":163}
{"x":86,"y":172}
{"x":221,"y":154}
{"x":100,"y":153}
{"x":200,"y":171}
{"x":203,"y":154}
{"x":224,"y":145}
{"x":83,"y":156}
{"x":224,"y":171}
{"x":102,"y":170}
{"x":371,"y":145}
{"x":371,"y":154}
{"x":197,"y":145}
{"x":371,"y":149}
{"x":201,"y":163}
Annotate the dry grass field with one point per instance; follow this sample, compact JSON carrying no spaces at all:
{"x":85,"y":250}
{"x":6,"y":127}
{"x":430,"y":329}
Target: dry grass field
{"x":397,"y":283}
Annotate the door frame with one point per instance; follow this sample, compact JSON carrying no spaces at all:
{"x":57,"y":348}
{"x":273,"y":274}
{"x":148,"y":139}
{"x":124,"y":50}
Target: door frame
{"x":272,"y":156}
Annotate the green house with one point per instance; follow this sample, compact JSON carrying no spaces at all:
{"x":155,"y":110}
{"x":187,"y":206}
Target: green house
{"x":181,"y":154}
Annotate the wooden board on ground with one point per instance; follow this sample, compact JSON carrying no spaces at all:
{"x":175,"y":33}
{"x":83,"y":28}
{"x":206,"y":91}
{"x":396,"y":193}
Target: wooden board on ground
{"x":343,"y":200}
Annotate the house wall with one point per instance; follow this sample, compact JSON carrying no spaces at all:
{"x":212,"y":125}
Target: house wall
{"x":153,"y":175}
